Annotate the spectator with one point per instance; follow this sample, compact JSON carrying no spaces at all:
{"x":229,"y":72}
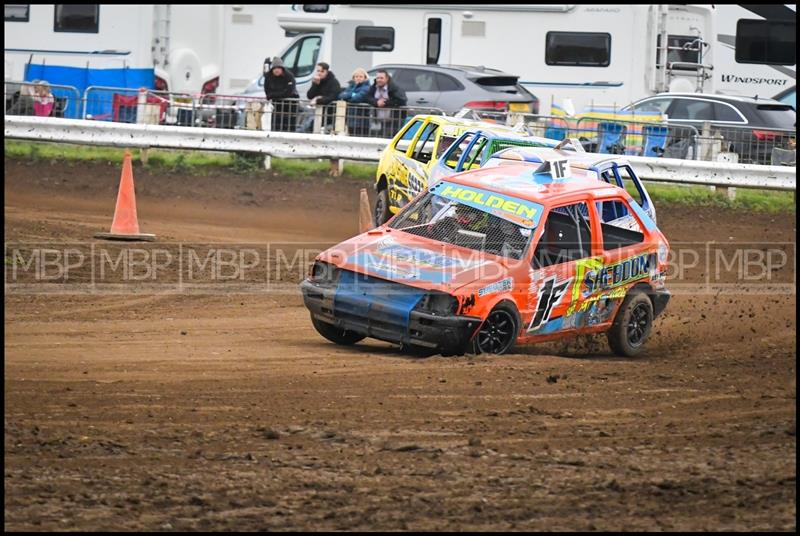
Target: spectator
{"x":43,"y":101}
{"x":385,"y":94}
{"x":279,"y":86}
{"x":324,"y":89}
{"x":24,"y":99}
{"x":356,"y":93}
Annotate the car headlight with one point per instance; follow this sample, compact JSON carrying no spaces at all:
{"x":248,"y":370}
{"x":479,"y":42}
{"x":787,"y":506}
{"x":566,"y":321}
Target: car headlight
{"x":324,"y":272}
{"x":438,"y":303}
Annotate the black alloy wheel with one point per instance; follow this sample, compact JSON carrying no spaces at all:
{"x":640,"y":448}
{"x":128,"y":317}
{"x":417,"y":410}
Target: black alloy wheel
{"x":638,"y":325}
{"x":497,"y":333}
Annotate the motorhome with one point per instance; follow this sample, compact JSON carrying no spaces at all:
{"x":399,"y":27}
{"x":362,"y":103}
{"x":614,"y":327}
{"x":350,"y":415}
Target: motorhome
{"x":756,"y":49}
{"x":182,"y":48}
{"x":594,"y":54}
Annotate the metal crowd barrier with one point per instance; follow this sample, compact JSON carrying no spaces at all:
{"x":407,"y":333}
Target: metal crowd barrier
{"x":734,"y":144}
{"x":127,"y":105}
{"x":598,"y":135}
{"x":42,"y":99}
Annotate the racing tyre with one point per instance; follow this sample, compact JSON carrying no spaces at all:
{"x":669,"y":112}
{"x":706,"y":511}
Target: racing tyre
{"x":498,"y":332}
{"x":334,"y":334}
{"x":632,"y":326}
{"x":382,"y":213}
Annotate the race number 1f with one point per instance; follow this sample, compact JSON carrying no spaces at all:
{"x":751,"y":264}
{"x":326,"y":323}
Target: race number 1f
{"x":549,"y":297}
{"x":560,"y":168}
{"x":557,"y":168}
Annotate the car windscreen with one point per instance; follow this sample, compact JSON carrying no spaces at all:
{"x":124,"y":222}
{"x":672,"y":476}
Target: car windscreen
{"x":460,"y":224}
{"x":777,"y":115}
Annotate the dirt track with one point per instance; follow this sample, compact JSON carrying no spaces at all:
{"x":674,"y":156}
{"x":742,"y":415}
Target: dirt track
{"x":226,"y":411}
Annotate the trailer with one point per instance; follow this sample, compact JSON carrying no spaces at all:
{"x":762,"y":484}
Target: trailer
{"x":601,"y":55}
{"x":756,"y":49}
{"x":180,"y":48}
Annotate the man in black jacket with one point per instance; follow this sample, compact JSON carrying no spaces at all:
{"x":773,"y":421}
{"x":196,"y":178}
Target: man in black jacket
{"x":324,"y":90}
{"x":279,"y":86}
{"x":385,"y":94}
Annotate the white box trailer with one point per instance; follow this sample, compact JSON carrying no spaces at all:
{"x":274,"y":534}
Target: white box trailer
{"x":592,"y":54}
{"x":188,"y":47}
{"x":756,"y":49}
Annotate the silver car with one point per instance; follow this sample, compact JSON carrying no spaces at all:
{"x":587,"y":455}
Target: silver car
{"x":453,"y":87}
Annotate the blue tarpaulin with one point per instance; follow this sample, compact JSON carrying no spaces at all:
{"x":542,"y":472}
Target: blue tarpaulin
{"x":100,"y":103}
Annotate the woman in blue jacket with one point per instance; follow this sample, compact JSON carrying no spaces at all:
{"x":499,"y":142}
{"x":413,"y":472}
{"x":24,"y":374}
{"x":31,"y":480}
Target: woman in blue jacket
{"x":356,"y":93}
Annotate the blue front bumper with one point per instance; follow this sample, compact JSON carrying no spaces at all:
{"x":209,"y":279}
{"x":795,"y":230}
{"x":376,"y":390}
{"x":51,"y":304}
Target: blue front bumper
{"x":385,"y":310}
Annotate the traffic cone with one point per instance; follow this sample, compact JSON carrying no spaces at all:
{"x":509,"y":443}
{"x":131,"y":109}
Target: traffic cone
{"x":126,"y":224}
{"x":364,"y":218}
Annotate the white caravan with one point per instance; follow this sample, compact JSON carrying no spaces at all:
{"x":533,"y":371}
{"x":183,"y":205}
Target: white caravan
{"x":605,"y":55}
{"x":755,"y":49}
{"x":190,"y":48}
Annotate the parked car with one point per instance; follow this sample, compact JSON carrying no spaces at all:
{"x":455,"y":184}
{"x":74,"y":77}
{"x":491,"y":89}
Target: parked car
{"x":788,"y":96}
{"x":750,"y":127}
{"x":453,"y":87}
{"x":492,"y":257}
{"x":408,"y":158}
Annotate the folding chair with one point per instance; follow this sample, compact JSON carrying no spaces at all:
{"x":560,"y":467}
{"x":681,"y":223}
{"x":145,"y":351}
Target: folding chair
{"x":555,"y":133}
{"x":611,"y":138}
{"x":655,"y":140}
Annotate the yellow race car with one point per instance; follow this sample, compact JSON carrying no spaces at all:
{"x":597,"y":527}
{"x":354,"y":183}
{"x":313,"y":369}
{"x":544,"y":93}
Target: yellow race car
{"x":406,"y":162}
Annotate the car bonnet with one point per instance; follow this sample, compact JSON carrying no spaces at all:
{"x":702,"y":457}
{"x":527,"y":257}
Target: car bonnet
{"x":413,"y":260}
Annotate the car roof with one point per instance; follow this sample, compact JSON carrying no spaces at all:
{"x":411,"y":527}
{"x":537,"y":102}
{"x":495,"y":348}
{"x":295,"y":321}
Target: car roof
{"x":465,"y":122}
{"x":471,"y":70}
{"x":515,"y":135}
{"x":536,"y":155}
{"x":728,"y":98}
{"x":522,"y":181}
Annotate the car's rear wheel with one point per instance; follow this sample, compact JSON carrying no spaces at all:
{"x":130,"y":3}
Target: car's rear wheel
{"x":335,"y":334}
{"x":498,"y":332}
{"x":382,"y":213}
{"x":632,"y":326}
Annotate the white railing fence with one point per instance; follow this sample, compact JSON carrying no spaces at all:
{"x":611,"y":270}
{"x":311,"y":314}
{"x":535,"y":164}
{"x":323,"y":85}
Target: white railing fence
{"x":337,"y":148}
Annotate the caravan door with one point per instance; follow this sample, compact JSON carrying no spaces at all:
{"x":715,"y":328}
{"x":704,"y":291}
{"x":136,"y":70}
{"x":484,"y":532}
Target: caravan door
{"x":301,"y":59}
{"x":436,"y":46}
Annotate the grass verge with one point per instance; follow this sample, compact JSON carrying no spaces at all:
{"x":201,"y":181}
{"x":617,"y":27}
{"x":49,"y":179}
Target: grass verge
{"x":200,"y":162}
{"x":188,"y":162}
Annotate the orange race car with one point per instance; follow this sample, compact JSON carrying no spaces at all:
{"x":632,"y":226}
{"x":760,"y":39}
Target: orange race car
{"x":492,"y":257}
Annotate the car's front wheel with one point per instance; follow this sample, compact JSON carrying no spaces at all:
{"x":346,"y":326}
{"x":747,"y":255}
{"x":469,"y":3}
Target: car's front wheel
{"x":632,"y":326}
{"x":382,"y":213}
{"x":335,"y":334}
{"x":498,"y":332}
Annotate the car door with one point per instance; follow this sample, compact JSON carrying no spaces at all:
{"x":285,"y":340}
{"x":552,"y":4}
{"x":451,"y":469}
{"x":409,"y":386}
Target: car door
{"x":398,"y":168}
{"x":624,"y":177}
{"x":564,"y":252}
{"x":420,"y":87}
{"x":691,"y":110}
{"x":412,"y":154}
{"x":626,"y":256}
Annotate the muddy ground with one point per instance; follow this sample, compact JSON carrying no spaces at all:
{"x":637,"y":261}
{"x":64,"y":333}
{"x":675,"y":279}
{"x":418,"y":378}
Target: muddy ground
{"x":156,"y":407}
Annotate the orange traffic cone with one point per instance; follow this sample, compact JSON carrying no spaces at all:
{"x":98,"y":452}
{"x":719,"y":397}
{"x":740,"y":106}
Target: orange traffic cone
{"x":126,"y":224}
{"x":364,"y":218}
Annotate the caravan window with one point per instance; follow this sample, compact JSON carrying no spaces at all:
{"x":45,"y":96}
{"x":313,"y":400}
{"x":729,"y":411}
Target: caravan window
{"x":315,"y":8}
{"x":79,"y":18}
{"x":17,"y":12}
{"x":583,"y":49}
{"x":766,"y":41}
{"x":375,"y":38}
